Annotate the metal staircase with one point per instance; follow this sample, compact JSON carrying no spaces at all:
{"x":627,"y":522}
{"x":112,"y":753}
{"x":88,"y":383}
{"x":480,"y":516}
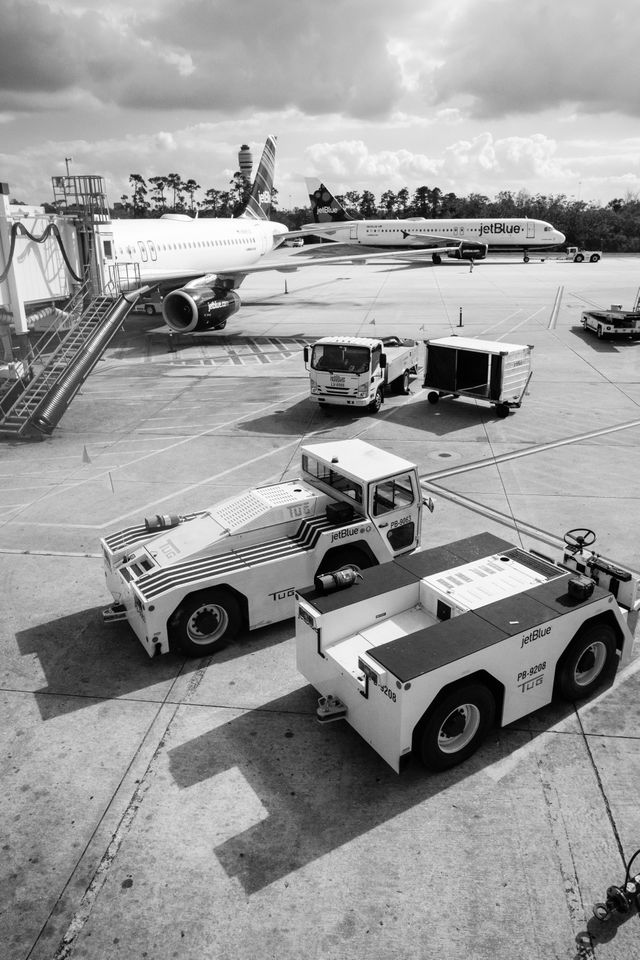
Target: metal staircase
{"x":60,"y":362}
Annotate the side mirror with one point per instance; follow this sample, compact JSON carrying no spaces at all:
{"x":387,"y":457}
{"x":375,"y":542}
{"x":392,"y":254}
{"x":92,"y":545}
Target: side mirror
{"x":383,"y":361}
{"x":429,"y":504}
{"x":306,"y":355}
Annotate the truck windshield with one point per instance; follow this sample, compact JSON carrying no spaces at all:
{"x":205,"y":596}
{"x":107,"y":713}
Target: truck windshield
{"x":340,"y":359}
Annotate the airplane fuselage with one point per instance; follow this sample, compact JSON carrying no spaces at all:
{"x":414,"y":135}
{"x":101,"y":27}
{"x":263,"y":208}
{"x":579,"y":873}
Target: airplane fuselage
{"x":519,"y":233}
{"x":179,"y":246}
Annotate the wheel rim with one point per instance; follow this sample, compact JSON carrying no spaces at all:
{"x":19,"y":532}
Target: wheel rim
{"x":590,"y":664}
{"x":459,"y":728}
{"x":207,"y":624}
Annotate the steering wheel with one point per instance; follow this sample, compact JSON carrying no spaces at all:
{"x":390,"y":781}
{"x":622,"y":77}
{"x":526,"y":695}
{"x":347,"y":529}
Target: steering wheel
{"x":579,"y":537}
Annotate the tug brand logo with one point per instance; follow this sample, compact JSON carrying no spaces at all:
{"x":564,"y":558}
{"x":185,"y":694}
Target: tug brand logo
{"x":499,"y":228}
{"x":535,"y":635}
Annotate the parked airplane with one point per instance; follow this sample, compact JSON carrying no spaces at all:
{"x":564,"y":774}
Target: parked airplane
{"x":198,"y":264}
{"x":212,"y":254}
{"x":473,"y":236}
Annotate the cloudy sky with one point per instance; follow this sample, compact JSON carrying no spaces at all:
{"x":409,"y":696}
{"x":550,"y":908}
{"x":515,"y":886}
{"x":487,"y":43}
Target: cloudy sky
{"x":542,"y":95}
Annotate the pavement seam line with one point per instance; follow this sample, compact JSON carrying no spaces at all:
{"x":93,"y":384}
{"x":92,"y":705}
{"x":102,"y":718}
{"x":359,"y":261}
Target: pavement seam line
{"x":91,"y":894}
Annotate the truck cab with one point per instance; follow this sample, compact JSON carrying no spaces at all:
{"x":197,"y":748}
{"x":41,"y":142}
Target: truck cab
{"x":357,"y":371}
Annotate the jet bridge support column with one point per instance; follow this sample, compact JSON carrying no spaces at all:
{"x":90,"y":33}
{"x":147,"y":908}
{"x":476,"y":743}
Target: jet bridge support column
{"x":9,"y":289}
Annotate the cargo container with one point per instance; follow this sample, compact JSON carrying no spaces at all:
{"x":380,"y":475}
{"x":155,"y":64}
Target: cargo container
{"x":489,"y":371}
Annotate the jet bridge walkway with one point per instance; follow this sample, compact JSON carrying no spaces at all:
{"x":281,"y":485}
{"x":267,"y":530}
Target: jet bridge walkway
{"x":60,"y":362}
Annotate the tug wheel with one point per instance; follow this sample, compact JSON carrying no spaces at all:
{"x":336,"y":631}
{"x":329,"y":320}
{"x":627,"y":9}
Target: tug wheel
{"x":502,"y":410}
{"x":433,"y":397}
{"x":455,"y":728}
{"x":205,"y":622}
{"x":587,"y":661}
{"x":342,"y":558}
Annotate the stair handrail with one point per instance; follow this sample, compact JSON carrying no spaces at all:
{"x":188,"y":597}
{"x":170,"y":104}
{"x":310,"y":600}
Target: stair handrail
{"x":41,"y":345}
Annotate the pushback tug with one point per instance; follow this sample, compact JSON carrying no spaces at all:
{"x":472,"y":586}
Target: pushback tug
{"x":424,"y":654}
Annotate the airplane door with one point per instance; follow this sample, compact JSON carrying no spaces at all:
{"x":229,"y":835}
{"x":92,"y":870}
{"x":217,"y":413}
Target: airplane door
{"x":531,"y":230}
{"x":394,"y":507}
{"x":353,"y":232}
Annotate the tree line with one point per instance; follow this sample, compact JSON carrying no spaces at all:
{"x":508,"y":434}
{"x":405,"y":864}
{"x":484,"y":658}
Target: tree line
{"x":614,"y":227}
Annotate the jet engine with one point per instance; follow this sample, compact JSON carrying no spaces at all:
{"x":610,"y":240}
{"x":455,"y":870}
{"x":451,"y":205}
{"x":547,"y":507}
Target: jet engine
{"x":469,"y":250}
{"x":199,"y":308}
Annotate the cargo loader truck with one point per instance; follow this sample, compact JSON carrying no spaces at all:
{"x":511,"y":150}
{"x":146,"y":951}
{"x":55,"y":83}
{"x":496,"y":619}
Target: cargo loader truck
{"x":425,"y":654}
{"x":360,"y":371}
{"x":191,"y":582}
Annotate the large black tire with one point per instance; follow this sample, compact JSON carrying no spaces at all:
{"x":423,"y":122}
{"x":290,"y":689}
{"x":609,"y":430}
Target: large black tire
{"x":589,"y":659}
{"x":455,"y":728}
{"x":594,"y":258}
{"x":433,"y":396}
{"x":205,"y":622}
{"x":150,"y":309}
{"x":402,"y":383}
{"x":376,"y":403}
{"x":579,"y":257}
{"x":502,"y":410}
{"x":345,"y":557}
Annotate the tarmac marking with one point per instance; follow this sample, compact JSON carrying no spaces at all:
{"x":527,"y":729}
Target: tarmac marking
{"x":553,"y":319}
{"x":528,"y":451}
{"x":127,"y":819}
{"x":106,"y":474}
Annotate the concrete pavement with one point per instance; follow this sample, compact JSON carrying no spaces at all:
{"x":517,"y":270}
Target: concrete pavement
{"x":194,"y":808}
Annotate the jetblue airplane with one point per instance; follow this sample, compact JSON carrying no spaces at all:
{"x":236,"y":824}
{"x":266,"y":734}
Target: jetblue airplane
{"x":472,"y":236}
{"x":213,"y":255}
{"x":198,"y":264}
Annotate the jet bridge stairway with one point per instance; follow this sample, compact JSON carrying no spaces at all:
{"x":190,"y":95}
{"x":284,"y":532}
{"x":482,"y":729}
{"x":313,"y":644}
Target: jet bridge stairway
{"x":60,"y":362}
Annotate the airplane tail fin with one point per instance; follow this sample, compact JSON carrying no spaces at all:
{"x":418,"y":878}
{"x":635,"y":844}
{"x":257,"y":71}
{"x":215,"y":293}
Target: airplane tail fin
{"x":324,"y":206}
{"x":259,"y":203}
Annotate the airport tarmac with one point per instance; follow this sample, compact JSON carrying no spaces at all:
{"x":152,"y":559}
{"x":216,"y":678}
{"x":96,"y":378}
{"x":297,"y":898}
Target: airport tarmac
{"x":193,"y":809}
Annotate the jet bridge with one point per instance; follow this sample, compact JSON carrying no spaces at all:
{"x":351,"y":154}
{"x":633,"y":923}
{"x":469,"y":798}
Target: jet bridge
{"x":61,"y":301}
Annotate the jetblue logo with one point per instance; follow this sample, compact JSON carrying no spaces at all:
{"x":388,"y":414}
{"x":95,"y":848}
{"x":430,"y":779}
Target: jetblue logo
{"x":495,"y":228}
{"x":535,"y":635}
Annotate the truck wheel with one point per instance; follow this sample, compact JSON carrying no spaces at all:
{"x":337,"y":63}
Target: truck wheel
{"x":150,"y":309}
{"x":502,"y":410}
{"x":578,"y":258}
{"x":376,"y":403}
{"x":586,"y":662}
{"x":594,"y":258}
{"x":402,"y":383}
{"x":205,"y":622}
{"x":456,"y":727}
{"x":433,"y":397}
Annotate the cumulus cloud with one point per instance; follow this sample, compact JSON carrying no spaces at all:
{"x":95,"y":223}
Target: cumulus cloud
{"x":209,"y":55}
{"x":505,"y":58}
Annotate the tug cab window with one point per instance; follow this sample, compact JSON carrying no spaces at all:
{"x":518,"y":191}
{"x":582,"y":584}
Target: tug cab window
{"x":393,"y":495}
{"x":337,"y":481}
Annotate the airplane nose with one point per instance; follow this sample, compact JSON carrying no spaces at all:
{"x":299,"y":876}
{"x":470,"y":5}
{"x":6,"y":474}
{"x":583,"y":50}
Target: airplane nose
{"x":560,"y":237}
